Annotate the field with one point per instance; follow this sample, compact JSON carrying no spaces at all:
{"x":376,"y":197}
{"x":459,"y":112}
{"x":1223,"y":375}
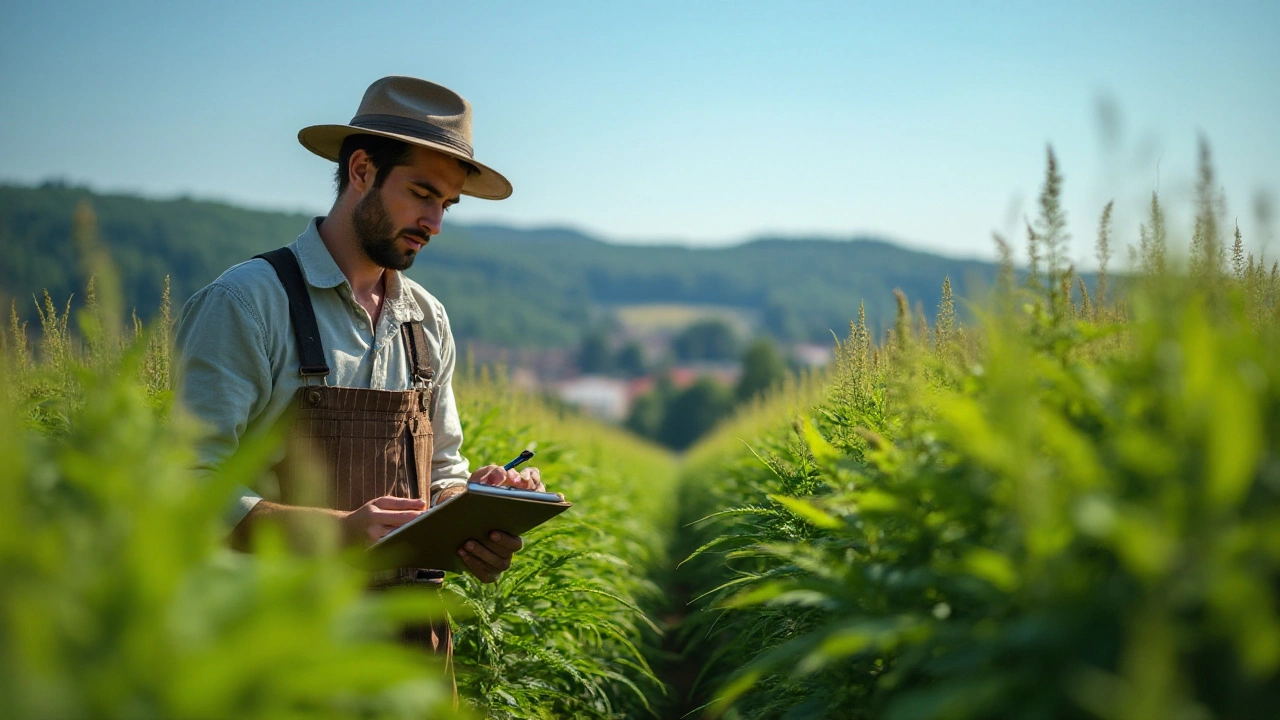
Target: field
{"x":654,"y":318}
{"x":1069,"y":508}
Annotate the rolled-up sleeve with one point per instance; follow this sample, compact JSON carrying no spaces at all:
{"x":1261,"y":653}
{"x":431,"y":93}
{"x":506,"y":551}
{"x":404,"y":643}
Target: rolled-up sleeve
{"x":448,"y":467}
{"x":223,"y":376}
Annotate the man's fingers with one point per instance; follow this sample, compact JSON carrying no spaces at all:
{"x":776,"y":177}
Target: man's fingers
{"x":504,"y":543}
{"x":497,"y":559}
{"x":376,"y":529}
{"x":379,"y":516}
{"x":533,"y":479}
{"x":527,"y":479}
{"x":489,"y":557}
{"x":489,"y":475}
{"x":389,"y":502}
{"x":483,"y":572}
{"x":393,"y":518}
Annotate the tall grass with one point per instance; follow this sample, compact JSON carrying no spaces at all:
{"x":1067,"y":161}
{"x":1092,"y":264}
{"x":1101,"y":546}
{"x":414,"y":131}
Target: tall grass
{"x":564,"y":632}
{"x":1069,"y":510}
{"x":722,"y":507}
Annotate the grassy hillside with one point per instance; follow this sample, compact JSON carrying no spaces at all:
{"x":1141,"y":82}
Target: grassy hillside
{"x":516,"y":288}
{"x":192,"y":241}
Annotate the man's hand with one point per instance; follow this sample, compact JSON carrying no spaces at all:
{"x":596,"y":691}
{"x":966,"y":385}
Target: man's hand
{"x":488,"y":558}
{"x":527,"y":479}
{"x":369,"y":522}
{"x":362,"y":526}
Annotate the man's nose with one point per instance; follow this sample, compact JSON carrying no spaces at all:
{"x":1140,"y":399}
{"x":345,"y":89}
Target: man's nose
{"x":431,"y":221}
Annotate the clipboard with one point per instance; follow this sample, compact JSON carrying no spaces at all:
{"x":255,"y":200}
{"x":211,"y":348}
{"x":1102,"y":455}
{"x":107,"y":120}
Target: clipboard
{"x":432,"y":539}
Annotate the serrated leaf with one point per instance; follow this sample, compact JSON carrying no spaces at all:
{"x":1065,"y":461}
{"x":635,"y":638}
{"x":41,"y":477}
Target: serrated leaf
{"x":807,"y":510}
{"x":824,"y":452}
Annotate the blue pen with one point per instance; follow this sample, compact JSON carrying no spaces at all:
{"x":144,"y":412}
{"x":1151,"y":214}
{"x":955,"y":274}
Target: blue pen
{"x":524,"y":455}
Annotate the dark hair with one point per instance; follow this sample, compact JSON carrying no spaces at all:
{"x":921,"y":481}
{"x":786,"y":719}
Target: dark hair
{"x":384,"y":153}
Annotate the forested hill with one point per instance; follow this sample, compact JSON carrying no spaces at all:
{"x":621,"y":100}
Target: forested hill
{"x":191,"y":241}
{"x":501,"y":285}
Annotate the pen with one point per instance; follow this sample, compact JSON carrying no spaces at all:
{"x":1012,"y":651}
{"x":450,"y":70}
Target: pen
{"x":524,"y":455}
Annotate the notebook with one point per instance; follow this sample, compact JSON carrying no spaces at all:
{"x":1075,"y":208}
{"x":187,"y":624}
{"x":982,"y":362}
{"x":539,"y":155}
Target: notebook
{"x":432,"y":539}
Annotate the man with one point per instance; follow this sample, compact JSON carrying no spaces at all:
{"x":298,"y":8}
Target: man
{"x":329,"y":335}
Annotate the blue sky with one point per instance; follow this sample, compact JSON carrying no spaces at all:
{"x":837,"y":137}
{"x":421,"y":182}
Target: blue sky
{"x":700,"y":122}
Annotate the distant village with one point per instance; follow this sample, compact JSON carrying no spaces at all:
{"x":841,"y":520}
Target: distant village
{"x":653,"y":354}
{"x":612,"y":398}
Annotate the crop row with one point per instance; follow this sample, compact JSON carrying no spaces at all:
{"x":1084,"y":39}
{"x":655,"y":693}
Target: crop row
{"x":1070,"y":509}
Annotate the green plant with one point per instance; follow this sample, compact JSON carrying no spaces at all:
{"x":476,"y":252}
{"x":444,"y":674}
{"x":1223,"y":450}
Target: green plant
{"x":119,"y":598}
{"x":1069,"y":512}
{"x":564,"y":632}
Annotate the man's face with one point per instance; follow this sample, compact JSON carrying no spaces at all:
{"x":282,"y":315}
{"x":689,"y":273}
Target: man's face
{"x":393,"y":222}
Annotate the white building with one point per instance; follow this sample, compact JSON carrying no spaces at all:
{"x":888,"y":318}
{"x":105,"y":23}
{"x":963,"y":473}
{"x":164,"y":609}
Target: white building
{"x":605,"y":397}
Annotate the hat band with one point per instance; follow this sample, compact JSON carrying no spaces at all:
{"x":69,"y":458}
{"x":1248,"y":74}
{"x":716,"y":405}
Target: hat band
{"x":416,"y":128}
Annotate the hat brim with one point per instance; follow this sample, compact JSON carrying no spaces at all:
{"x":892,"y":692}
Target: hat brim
{"x":326,"y":141}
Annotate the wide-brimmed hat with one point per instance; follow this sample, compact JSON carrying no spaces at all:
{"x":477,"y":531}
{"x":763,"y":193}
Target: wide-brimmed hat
{"x":419,"y":113}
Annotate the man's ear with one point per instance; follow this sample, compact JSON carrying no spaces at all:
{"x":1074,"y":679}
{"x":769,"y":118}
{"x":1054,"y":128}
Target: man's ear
{"x":361,"y":172}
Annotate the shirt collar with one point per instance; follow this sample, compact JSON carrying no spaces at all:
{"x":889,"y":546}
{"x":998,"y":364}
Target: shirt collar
{"x":317,"y":264}
{"x":320,"y":270}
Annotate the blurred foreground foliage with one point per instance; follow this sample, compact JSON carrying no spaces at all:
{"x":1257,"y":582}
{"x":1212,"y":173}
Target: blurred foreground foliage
{"x":118,"y":597}
{"x":1071,"y":510}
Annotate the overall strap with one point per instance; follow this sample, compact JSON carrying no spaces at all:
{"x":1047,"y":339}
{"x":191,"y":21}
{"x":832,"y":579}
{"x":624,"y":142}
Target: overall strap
{"x":305,"y":329}
{"x":415,"y":338}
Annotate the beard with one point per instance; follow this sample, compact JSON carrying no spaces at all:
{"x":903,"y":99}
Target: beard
{"x":377,"y":234}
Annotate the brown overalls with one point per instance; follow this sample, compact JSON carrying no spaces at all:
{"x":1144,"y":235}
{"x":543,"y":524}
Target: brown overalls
{"x":363,"y":443}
